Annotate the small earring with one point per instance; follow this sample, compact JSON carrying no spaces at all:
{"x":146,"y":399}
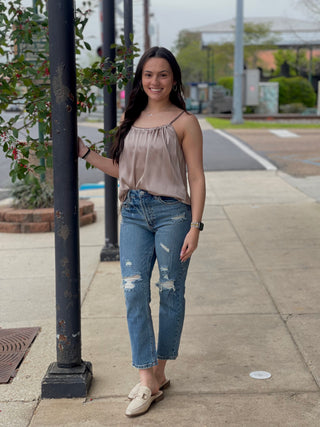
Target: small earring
{"x":175,"y":87}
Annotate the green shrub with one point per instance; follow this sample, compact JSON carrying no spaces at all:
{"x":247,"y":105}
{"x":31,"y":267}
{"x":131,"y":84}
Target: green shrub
{"x":296,"y":107}
{"x":226,"y":82}
{"x":30,"y":193}
{"x":294,"y":90}
{"x":302,"y":91}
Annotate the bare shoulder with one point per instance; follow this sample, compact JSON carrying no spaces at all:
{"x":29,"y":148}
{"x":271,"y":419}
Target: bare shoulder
{"x":191,"y":126}
{"x":187,"y":124}
{"x":189,"y":119}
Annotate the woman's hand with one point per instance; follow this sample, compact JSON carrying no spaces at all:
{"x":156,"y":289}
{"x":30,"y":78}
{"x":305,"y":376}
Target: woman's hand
{"x":105,"y":164}
{"x":190,"y":244}
{"x":82,"y":148}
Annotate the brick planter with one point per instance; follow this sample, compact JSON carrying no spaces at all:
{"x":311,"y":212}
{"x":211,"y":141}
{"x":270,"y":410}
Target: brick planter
{"x":39,"y":220}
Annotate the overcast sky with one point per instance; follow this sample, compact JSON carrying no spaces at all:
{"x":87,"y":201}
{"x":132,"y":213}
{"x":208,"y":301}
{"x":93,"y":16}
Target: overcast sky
{"x":175,"y":15}
{"x":172,"y":16}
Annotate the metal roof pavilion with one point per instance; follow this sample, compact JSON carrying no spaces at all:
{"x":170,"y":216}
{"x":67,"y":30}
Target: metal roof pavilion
{"x":288,"y":33}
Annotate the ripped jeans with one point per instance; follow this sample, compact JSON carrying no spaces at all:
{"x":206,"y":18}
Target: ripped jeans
{"x":153,"y":227}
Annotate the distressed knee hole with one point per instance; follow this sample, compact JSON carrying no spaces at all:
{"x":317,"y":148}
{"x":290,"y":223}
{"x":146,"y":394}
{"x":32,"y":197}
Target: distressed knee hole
{"x":168,"y":285}
{"x":129,"y":282}
{"x":165,"y":284}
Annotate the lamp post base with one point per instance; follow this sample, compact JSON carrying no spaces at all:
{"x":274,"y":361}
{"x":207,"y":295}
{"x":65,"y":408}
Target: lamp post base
{"x":110,"y":253}
{"x":61,"y":383}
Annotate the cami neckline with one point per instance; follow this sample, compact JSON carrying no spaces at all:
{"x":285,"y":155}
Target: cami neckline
{"x":160,"y":126}
{"x":154,"y":127}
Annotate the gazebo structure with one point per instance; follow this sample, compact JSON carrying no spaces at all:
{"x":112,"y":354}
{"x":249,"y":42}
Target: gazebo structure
{"x":287,"y":33}
{"x":284,"y":33}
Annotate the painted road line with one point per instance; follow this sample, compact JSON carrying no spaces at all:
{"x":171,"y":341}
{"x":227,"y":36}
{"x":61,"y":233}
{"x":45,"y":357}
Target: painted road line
{"x":283,"y":133}
{"x":265,"y":163}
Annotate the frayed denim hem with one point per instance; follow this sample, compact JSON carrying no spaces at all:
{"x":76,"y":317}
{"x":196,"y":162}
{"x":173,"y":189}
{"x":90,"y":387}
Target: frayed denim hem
{"x":167,"y":358}
{"x":145,"y":366}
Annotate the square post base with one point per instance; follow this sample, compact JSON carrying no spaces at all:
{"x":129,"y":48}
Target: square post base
{"x":110,"y":254}
{"x":61,"y":383}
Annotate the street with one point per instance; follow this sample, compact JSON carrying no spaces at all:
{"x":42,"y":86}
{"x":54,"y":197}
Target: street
{"x":85,"y":175}
{"x":295,"y":152}
{"x":222,"y":152}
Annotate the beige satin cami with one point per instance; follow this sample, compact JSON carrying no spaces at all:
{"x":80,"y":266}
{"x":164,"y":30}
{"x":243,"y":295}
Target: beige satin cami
{"x":153,"y":160}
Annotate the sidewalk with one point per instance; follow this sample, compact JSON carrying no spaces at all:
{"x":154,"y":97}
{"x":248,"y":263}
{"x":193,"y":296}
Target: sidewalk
{"x":253,"y":304}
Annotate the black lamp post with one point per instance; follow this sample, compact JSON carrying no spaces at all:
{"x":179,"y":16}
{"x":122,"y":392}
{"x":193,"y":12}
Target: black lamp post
{"x":69,"y":376}
{"x":110,"y":251}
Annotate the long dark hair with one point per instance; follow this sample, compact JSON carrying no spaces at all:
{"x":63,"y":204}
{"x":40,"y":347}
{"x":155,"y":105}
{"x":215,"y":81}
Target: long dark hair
{"x":138,"y":99}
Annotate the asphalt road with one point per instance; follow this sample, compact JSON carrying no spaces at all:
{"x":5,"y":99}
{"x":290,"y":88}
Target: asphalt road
{"x":238,"y":149}
{"x":221,"y":154}
{"x":85,"y":175}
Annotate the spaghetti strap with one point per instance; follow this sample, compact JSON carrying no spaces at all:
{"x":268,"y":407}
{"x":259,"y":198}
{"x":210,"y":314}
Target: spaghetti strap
{"x":176,"y":118}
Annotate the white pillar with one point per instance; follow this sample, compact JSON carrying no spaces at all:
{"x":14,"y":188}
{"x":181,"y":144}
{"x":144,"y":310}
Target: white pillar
{"x":238,"y":66}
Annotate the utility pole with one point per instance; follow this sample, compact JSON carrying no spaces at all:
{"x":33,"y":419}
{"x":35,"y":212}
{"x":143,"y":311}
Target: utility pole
{"x":146,"y":24}
{"x":110,"y":251}
{"x":69,"y":376}
{"x":237,"y":117}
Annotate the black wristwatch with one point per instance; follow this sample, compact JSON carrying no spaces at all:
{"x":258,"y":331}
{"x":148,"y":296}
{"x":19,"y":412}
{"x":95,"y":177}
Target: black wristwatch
{"x":198,"y":225}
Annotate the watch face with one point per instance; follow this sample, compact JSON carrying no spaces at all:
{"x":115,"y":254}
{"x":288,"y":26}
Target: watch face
{"x":200,"y":226}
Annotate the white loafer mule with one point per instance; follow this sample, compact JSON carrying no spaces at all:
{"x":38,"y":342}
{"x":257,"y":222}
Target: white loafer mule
{"x":134,"y":391}
{"x":141,"y":403}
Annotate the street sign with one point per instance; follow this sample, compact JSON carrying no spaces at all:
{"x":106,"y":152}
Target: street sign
{"x":31,"y":54}
{"x":31,"y":51}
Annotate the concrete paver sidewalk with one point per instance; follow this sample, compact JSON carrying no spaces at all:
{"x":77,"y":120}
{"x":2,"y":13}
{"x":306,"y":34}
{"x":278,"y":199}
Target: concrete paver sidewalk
{"x":252,"y":304}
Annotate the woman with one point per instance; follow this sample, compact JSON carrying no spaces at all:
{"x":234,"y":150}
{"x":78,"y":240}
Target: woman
{"x":155,"y":143}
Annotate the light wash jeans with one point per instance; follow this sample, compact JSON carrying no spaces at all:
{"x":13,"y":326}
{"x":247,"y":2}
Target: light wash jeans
{"x":153,"y":227}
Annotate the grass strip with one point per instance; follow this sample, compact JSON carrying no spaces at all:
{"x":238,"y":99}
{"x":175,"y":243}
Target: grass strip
{"x":249,"y":124}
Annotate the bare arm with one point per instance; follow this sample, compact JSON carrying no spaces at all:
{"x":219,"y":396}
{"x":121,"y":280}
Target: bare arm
{"x":192,"y":148}
{"x":103,"y":163}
